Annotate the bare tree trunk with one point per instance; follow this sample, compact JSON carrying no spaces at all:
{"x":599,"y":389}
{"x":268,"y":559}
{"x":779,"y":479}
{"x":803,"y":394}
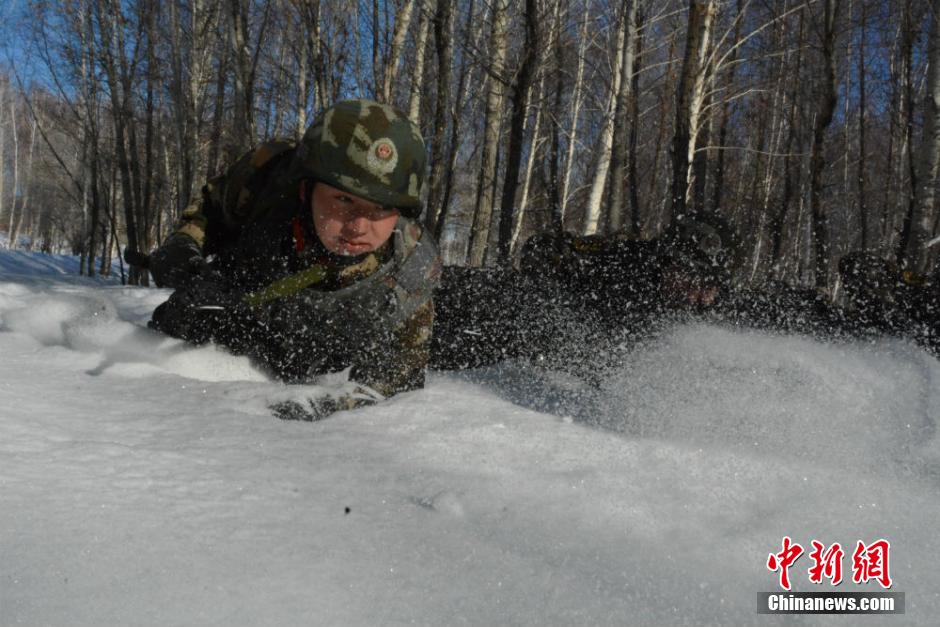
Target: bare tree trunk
{"x":530,"y":166}
{"x":186,"y":90}
{"x":633,"y":184}
{"x":660,"y":139}
{"x":907,"y":54}
{"x":917,"y":256}
{"x":689,"y":99}
{"x":90,"y":131}
{"x":554,"y":184}
{"x":483,"y":210}
{"x":894,"y":165}
{"x":303,"y":89}
{"x":827,"y":104}
{"x":599,"y":182}
{"x":779,"y":218}
{"x":575,"y":111}
{"x":376,"y":51}
{"x":417,"y":78}
{"x":444,"y":47}
{"x":616,"y":206}
{"x":218,"y":113}
{"x":3,"y":144}
{"x":104,"y":265}
{"x":94,"y":183}
{"x":147,"y":199}
{"x":520,"y":111}
{"x":311,"y":61}
{"x":13,"y":226}
{"x":108,"y":27}
{"x":463,"y":88}
{"x":719,"y":175}
{"x":402,"y":21}
{"x":698,"y":168}
{"x":25,"y":194}
{"x":862,"y":124}
{"x":776,"y":137}
{"x":243,"y":123}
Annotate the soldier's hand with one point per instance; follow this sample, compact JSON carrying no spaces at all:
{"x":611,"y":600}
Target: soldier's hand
{"x":323,"y":406}
{"x":206,"y":308}
{"x":315,"y":409}
{"x":177,"y":262}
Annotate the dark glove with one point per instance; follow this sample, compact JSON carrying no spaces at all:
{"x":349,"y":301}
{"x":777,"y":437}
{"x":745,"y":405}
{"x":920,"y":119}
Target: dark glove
{"x":316,"y":409}
{"x":206,"y":308}
{"x":177,"y":262}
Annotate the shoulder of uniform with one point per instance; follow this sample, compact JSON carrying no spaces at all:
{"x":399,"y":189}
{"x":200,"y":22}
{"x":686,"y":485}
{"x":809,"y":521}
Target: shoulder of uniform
{"x":237,"y":189}
{"x":419,"y":263}
{"x":263,"y":153}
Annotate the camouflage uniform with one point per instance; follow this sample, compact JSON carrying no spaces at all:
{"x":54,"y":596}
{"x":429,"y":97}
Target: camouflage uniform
{"x":274,"y":292}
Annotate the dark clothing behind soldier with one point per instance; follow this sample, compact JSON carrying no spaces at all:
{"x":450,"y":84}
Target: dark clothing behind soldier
{"x":576,"y":299}
{"x":881,"y":299}
{"x":574,"y":304}
{"x":252,"y":271}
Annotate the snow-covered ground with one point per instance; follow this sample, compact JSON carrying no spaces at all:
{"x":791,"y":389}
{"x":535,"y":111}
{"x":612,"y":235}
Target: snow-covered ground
{"x":145,"y":482}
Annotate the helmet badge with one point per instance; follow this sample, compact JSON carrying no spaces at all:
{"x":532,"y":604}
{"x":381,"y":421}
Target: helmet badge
{"x":384,"y":151}
{"x":382,"y":157}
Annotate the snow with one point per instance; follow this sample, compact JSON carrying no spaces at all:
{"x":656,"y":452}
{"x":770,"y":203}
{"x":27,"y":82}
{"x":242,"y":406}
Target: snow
{"x":144,"y":481}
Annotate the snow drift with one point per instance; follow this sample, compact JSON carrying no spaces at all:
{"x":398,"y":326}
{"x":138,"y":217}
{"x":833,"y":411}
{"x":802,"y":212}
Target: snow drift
{"x":144,"y":481}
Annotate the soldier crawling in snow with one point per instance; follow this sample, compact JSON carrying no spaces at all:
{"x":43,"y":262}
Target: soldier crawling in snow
{"x":308,"y":258}
{"x":577,"y":303}
{"x":575,"y":300}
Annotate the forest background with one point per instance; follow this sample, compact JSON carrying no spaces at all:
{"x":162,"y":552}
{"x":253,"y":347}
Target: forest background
{"x":811,"y":126}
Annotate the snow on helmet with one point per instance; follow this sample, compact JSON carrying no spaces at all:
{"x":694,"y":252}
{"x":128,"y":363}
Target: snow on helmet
{"x":368,"y":149}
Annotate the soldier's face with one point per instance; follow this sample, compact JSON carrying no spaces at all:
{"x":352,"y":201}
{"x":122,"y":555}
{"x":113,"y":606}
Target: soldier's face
{"x":348,"y":224}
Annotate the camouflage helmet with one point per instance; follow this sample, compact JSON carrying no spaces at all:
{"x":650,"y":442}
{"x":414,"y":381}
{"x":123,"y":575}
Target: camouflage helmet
{"x":367,"y":149}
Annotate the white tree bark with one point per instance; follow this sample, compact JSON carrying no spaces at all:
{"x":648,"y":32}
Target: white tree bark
{"x":402,"y":21}
{"x":599,"y":183}
{"x":24,"y":205}
{"x":529,"y":166}
{"x":494,"y":104}
{"x":575,"y":110}
{"x":689,"y":98}
{"x":11,"y":227}
{"x":698,"y":87}
{"x":414,"y":99}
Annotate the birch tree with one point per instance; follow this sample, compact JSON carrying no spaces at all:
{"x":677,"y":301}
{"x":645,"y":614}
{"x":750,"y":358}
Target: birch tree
{"x":577,"y":98}
{"x":691,"y":92}
{"x":828,"y":99}
{"x":917,"y":255}
{"x":444,"y":46}
{"x":483,"y":210}
{"x":599,"y":181}
{"x":417,"y":78}
{"x":520,"y":112}
{"x":616,"y":206}
{"x":402,"y":22}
